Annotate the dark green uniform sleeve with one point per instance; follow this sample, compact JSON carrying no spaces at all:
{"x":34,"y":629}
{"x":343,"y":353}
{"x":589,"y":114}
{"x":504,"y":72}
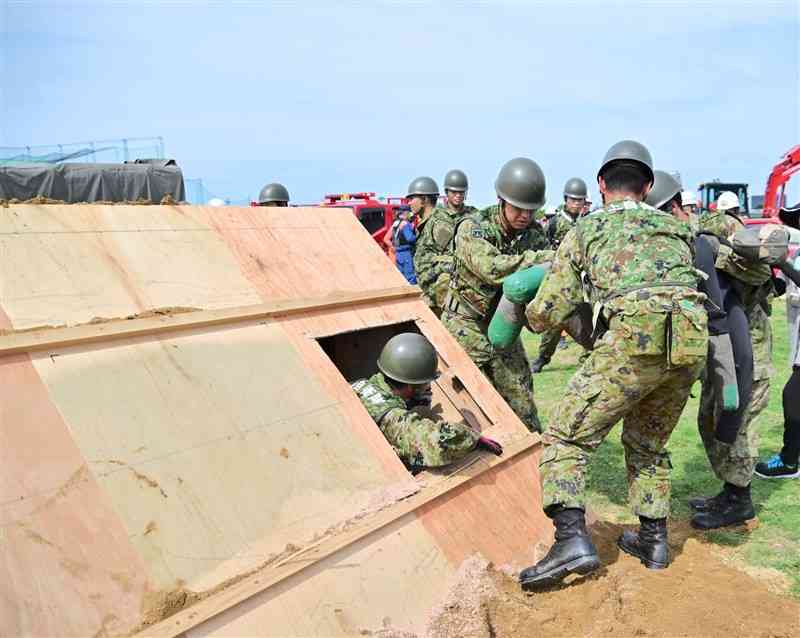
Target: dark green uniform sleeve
{"x":422,"y":442}
{"x":486,"y":262}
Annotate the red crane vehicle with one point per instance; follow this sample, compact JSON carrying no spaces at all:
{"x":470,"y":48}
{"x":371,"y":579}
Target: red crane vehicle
{"x":774,"y":194}
{"x":375,"y":215}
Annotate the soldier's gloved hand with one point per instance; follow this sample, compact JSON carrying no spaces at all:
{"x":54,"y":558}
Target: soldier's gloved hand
{"x":490,"y":445}
{"x":723,"y":370}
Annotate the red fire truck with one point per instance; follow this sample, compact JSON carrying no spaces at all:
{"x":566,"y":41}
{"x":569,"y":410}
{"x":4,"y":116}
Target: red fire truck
{"x":374,"y":214}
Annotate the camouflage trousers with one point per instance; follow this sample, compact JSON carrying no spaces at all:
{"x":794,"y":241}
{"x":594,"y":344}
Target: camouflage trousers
{"x":508,"y":371}
{"x":610,"y":385}
{"x":735,"y":463}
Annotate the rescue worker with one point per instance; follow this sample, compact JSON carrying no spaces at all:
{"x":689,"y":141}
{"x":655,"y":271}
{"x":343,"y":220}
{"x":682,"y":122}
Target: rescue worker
{"x":433,"y":260}
{"x":635,"y":262}
{"x":786,"y":463}
{"x":734,"y":464}
{"x":567,"y":213}
{"x":489,"y":246}
{"x":404,"y":241}
{"x":273,"y":195}
{"x":407,"y":365}
{"x":422,"y":195}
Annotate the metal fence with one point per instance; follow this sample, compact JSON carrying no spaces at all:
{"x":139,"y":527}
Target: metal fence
{"x":111,"y":151}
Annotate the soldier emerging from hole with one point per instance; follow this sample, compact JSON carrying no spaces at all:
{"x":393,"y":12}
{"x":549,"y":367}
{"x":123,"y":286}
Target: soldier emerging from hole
{"x":407,"y":366}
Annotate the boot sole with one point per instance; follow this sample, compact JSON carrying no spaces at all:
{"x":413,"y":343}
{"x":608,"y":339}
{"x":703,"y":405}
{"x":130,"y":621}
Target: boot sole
{"x":583,"y":565}
{"x":650,"y":564}
{"x":740,"y":521}
{"x":780,"y":476}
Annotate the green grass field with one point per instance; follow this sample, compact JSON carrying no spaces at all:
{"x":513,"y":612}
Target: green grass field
{"x":775,"y":543}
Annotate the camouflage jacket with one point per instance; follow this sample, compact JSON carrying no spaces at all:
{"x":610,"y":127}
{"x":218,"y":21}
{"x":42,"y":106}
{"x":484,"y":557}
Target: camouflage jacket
{"x":433,"y":260}
{"x":755,"y":279}
{"x":484,"y":255}
{"x":633,"y":263}
{"x":418,"y":441}
{"x":558,"y":226}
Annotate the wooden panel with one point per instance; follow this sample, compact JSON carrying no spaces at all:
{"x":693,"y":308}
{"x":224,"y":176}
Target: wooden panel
{"x":49,"y":339}
{"x":210,"y":443}
{"x":389,"y":579}
{"x":67,"y":567}
{"x":499,"y":514}
{"x":206,"y":451}
{"x":68,"y":264}
{"x":266,"y":580}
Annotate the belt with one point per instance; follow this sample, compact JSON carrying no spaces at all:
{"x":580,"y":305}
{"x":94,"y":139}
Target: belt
{"x":460,"y":308}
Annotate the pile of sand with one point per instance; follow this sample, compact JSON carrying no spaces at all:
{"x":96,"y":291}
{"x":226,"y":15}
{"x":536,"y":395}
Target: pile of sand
{"x":698,"y":596}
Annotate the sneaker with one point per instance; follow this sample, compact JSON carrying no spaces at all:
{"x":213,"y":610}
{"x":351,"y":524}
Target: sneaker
{"x":774,"y":467}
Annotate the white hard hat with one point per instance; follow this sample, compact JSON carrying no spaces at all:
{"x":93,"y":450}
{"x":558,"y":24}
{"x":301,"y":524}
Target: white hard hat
{"x":688,"y":198}
{"x":216,"y":201}
{"x":727,"y":201}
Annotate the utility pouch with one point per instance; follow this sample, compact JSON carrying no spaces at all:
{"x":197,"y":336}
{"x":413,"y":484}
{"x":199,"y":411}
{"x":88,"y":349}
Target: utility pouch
{"x":687,"y":334}
{"x":641,"y":327}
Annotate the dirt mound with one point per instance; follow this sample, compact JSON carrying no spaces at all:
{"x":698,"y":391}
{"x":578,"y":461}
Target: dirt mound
{"x":698,"y":596}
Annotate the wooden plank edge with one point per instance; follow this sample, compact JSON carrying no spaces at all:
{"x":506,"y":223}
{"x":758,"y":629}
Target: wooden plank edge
{"x":204,"y":610}
{"x":53,"y":338}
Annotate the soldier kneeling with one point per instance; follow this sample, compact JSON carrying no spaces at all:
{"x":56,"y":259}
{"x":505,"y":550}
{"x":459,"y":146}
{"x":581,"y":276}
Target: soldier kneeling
{"x":407,"y":366}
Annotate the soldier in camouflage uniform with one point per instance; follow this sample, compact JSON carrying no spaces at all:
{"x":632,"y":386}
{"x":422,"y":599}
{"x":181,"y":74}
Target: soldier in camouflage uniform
{"x":575,"y":192}
{"x":734,"y":464}
{"x":488,"y":247}
{"x":408,"y":364}
{"x":433,"y":260}
{"x":636,"y":265}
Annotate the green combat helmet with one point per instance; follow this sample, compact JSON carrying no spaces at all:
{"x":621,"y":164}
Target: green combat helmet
{"x":273,"y":193}
{"x":665,"y":187}
{"x":521,"y":183}
{"x":423,"y":186}
{"x":456,"y":180}
{"x":409,"y":358}
{"x":575,"y":188}
{"x":631,"y":151}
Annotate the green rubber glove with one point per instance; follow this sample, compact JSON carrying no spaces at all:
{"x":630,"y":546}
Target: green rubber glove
{"x":722,"y":368}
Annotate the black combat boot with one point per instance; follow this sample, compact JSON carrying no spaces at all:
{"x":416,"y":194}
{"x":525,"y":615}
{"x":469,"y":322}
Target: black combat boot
{"x":705,"y":503}
{"x":649,"y":545}
{"x":736,"y":507}
{"x":538,"y":364}
{"x":572,"y":553}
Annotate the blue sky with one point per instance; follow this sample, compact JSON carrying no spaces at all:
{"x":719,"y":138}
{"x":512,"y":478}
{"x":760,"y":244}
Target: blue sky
{"x":340,"y":96}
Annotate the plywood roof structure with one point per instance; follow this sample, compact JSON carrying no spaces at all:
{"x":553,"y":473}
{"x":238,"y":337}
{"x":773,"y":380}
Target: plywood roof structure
{"x":181,"y":456}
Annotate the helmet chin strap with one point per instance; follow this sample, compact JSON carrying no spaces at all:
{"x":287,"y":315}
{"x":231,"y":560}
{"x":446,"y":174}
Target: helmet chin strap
{"x":507,"y":228}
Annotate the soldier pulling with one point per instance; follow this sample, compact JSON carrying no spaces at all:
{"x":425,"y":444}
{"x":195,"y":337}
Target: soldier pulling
{"x":640,"y":283}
